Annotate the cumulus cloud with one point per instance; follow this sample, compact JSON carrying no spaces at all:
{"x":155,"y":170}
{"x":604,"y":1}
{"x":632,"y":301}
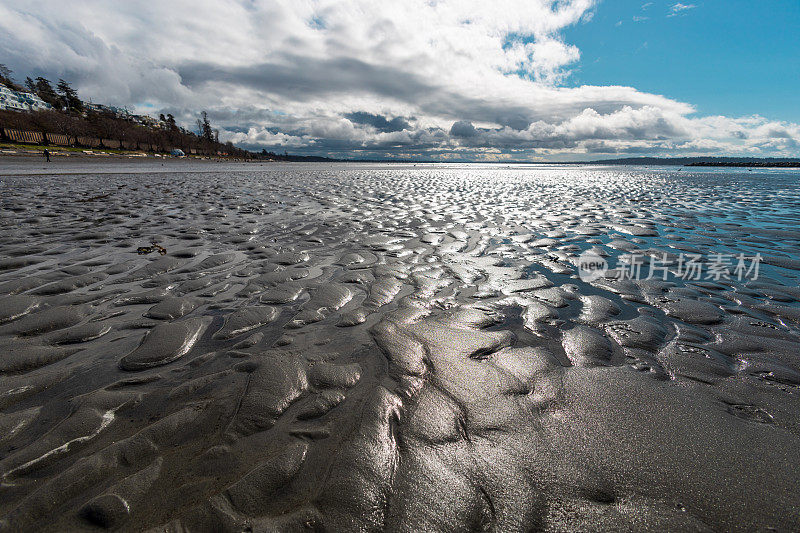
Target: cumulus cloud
{"x":377,"y":78}
{"x":463,"y":129}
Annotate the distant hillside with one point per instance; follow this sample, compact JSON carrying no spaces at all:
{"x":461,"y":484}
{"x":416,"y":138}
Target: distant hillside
{"x":104,"y":130}
{"x":699,"y":161}
{"x":272,"y":156}
{"x":53,"y":114}
{"x":773,"y":164}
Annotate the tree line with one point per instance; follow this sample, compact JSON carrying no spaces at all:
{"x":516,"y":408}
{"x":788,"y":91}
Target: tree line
{"x":62,"y":96}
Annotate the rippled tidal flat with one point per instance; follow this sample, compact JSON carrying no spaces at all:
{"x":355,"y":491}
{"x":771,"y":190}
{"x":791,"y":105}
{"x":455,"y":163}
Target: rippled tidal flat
{"x":397,"y":347}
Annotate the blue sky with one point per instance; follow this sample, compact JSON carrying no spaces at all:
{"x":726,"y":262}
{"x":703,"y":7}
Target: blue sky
{"x":450,"y":80}
{"x":731,"y":57}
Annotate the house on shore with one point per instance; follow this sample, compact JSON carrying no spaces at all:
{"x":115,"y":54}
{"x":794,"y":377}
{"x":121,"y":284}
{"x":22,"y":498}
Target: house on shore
{"x":21,"y":100}
{"x":117,"y":112}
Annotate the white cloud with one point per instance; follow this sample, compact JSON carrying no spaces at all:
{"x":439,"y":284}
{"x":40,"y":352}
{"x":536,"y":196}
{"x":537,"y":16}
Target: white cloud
{"x":381,"y":77}
{"x":679,"y":8}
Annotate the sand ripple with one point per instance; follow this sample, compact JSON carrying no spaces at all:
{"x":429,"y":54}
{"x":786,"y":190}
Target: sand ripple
{"x":363,"y":348}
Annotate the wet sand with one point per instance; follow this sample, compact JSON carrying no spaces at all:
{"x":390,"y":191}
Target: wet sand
{"x":393,"y":347}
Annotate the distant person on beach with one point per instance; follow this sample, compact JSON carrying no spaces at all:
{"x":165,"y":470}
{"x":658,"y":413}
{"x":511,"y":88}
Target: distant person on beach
{"x":47,"y":154}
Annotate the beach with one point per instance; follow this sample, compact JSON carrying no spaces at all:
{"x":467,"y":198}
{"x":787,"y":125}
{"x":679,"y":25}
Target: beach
{"x":215,"y":346}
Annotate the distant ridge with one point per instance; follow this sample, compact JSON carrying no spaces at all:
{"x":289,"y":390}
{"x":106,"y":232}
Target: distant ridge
{"x":700,"y":161}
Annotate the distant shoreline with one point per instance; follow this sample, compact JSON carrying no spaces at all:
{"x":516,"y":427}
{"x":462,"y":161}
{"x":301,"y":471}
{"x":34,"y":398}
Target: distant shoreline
{"x":35,"y":151}
{"x":785,"y":164}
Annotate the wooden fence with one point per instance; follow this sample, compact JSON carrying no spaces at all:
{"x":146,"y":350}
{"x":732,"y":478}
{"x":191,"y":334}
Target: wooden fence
{"x":24,"y":136}
{"x":59,"y":140}
{"x":91,"y":142}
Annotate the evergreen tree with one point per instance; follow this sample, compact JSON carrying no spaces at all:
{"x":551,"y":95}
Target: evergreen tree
{"x":5,"y":76}
{"x":69,"y":96}
{"x":46,"y":92}
{"x":207,"y":131}
{"x":204,"y":127}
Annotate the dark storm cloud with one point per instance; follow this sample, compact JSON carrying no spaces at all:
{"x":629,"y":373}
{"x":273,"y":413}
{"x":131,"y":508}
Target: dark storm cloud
{"x":379,"y":122}
{"x":463,"y":129}
{"x":302,"y":78}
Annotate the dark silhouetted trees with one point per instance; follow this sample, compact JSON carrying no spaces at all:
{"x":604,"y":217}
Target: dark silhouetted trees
{"x":69,"y":97}
{"x":45,"y":90}
{"x":204,"y":129}
{"x":5,"y":73}
{"x":7,"y":79}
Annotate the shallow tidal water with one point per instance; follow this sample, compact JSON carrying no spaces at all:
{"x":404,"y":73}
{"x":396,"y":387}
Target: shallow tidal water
{"x":395,"y":347}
